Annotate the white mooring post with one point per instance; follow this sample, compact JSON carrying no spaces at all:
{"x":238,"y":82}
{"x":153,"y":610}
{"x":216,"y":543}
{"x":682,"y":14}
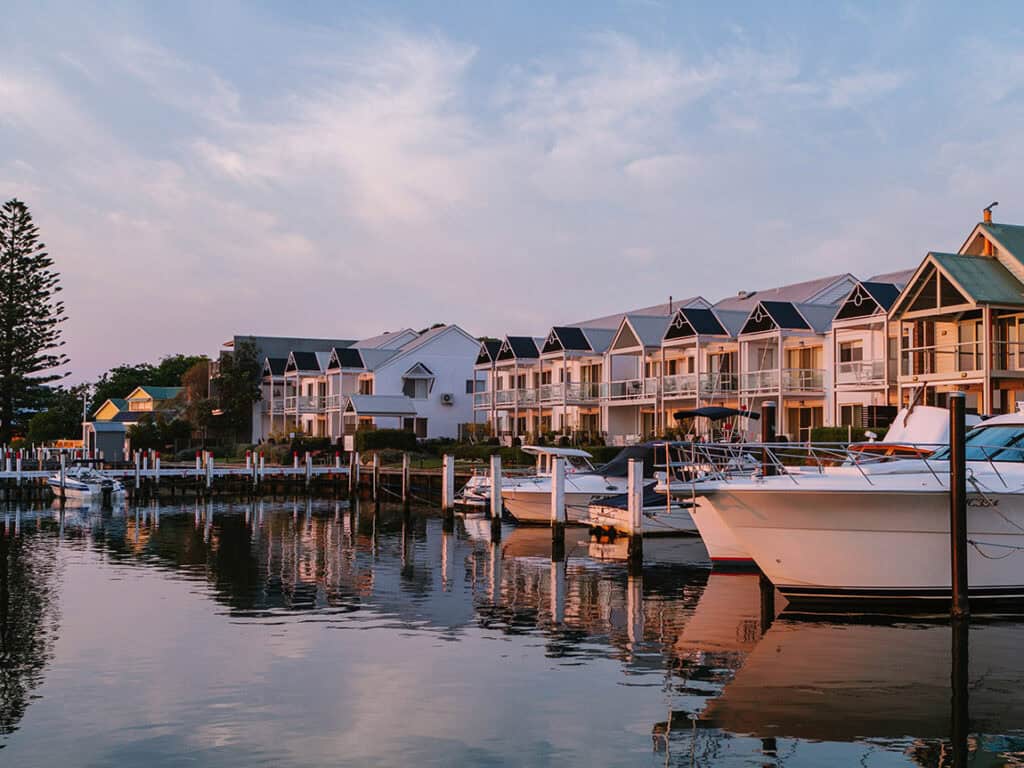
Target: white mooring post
{"x":63,"y":472}
{"x":248,"y":461}
{"x":376,"y":477}
{"x":448,"y":483}
{"x":7,"y":461}
{"x":497,"y":503}
{"x":309,"y":469}
{"x":557,"y":503}
{"x":17,"y":468}
{"x":138,"y":468}
{"x":337,"y":459}
{"x":209,"y":470}
{"x":355,"y":471}
{"x":263,"y":466}
{"x":636,"y":511}
{"x":405,"y":479}
{"x":295,"y":459}
{"x":156,"y":468}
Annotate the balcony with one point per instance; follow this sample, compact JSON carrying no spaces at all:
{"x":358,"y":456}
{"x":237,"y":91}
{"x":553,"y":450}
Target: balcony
{"x":792,"y":380}
{"x":275,"y":408}
{"x":304,"y":404}
{"x":940,"y":361}
{"x":683,"y":385}
{"x":860,"y":372}
{"x":583,"y":392}
{"x":481,"y":399}
{"x":633,"y":389}
{"x":718,"y":384}
{"x":336,"y":402}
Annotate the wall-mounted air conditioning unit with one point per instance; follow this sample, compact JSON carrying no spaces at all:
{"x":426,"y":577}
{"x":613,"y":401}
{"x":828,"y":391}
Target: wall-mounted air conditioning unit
{"x":447,"y":399}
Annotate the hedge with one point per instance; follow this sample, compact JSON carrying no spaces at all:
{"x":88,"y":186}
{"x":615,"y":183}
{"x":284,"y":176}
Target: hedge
{"x":386,"y":439}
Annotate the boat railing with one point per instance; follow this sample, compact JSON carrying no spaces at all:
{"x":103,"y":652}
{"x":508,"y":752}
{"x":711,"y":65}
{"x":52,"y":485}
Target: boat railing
{"x":699,"y":461}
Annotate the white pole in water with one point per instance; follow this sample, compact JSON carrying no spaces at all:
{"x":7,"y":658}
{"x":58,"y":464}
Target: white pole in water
{"x":558,"y":500}
{"x":496,"y":501}
{"x":17,"y":464}
{"x":309,"y":468}
{"x":198,"y":465}
{"x":7,"y":461}
{"x":63,"y":471}
{"x":248,"y":461}
{"x":405,"y":478}
{"x":263,"y":465}
{"x":447,"y":482}
{"x":136,"y":460}
{"x":295,"y":459}
{"x":209,"y":470}
{"x":636,"y":511}
{"x":156,"y":467}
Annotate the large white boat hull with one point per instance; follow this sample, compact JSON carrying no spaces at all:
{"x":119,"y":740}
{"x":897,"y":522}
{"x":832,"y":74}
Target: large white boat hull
{"x":724,"y":549}
{"x":888,"y":542}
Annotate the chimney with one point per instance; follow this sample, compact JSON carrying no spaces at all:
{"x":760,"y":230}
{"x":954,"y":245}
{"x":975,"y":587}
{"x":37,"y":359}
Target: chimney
{"x":987,"y":218}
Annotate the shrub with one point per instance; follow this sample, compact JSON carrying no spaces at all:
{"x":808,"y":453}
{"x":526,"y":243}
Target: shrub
{"x":381,"y":439}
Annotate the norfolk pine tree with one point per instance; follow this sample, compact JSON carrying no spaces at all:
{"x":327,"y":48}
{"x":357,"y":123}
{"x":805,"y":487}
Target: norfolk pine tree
{"x":30,"y":319}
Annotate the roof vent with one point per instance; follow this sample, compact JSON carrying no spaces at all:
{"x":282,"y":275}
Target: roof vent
{"x":744,"y":294}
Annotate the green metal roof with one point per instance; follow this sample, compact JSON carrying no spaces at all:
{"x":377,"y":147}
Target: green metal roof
{"x":1010,"y":236}
{"x":984,"y":279}
{"x":162,"y":393}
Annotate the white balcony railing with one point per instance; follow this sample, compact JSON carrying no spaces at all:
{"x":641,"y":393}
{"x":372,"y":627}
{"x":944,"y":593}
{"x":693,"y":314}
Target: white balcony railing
{"x":304,"y":404}
{"x":633,"y":389}
{"x":718,"y":384}
{"x":681,"y":385}
{"x":861,"y":372}
{"x":792,"y":380}
{"x":481,"y":399}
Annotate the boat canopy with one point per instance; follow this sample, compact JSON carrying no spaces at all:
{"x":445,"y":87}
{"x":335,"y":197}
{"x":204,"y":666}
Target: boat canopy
{"x":543,"y":450}
{"x":715,"y":413}
{"x":619,"y":466}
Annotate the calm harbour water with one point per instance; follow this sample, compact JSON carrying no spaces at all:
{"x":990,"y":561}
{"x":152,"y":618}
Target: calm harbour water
{"x":309,"y":634}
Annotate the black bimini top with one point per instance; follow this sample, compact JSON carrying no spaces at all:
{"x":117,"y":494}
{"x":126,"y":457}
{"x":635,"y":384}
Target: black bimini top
{"x":715,"y":413}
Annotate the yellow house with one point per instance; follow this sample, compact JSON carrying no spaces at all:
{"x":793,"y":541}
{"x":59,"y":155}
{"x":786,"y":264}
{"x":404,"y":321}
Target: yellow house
{"x":109,"y":410}
{"x":140,"y":401}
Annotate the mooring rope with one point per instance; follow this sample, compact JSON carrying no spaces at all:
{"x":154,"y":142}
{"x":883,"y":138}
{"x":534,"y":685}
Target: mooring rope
{"x":1013,"y":549}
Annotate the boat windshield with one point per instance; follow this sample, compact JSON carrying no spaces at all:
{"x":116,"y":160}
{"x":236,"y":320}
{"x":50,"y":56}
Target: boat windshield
{"x":579,"y":464}
{"x":995,"y":443}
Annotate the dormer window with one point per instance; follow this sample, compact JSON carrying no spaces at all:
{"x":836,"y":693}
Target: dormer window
{"x":417,"y":382}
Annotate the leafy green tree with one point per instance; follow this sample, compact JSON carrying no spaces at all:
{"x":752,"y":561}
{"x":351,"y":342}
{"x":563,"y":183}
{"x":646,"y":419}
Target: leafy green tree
{"x":31,"y":316}
{"x":61,"y":416}
{"x":122,"y":379}
{"x":238,"y":388}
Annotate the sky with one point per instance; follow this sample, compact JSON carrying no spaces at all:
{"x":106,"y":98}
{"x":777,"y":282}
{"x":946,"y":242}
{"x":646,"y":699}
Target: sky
{"x":337,"y":169}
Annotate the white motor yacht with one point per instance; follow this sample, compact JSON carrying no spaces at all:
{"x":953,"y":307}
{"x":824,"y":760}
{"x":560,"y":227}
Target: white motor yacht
{"x":879,"y":531}
{"x":82,"y":483}
{"x":915,"y":432}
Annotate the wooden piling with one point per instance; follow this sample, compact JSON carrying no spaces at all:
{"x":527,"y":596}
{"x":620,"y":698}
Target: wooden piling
{"x":557,"y":505}
{"x":767,"y":436}
{"x":448,"y":483}
{"x":635,"y":496}
{"x":960,"y":606}
{"x":405,"y":480}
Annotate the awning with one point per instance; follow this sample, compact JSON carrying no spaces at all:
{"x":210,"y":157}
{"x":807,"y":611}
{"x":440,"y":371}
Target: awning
{"x":380,"y":405}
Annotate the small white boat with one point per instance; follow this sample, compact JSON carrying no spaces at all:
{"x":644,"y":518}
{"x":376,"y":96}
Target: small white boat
{"x":83,"y":484}
{"x":879,"y":531}
{"x":661,"y":517}
{"x":528,"y":499}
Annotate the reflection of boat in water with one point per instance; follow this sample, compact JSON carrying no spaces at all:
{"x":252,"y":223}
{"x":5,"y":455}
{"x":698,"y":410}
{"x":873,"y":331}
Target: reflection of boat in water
{"x":662,"y":550}
{"x":846,"y":682}
{"x":727,"y":620}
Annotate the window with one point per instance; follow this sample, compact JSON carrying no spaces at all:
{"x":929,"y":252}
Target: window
{"x":851,"y":415}
{"x":470,"y":386}
{"x":417,"y":389}
{"x":366,"y":386}
{"x":851,"y":351}
{"x":417,"y":426}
